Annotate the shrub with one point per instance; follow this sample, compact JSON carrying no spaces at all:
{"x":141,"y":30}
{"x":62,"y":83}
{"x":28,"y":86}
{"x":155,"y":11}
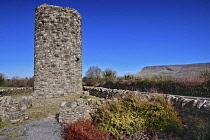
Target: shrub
{"x":133,"y":115}
{"x":109,"y":75}
{"x":202,"y":131}
{"x":83,"y":130}
{"x":128,"y":77}
{"x":197,"y":129}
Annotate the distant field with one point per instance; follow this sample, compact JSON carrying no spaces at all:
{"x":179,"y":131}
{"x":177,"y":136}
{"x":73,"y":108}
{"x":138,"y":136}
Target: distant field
{"x":7,"y":88}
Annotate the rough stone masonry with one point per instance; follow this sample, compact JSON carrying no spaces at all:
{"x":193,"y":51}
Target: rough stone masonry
{"x":58,"y":51}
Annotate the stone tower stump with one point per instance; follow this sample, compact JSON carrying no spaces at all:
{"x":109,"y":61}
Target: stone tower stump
{"x":58,"y":51}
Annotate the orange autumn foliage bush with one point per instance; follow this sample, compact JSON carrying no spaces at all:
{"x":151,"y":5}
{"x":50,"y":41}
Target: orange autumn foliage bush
{"x":83,"y":130}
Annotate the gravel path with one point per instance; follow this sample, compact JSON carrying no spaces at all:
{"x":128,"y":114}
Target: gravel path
{"x":42,"y":129}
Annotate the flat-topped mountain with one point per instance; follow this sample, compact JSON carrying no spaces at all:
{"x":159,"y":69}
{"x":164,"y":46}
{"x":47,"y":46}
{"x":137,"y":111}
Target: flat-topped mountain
{"x":173,"y":70}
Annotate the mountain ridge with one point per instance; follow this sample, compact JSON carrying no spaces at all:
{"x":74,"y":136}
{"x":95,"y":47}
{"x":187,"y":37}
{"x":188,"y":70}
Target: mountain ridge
{"x":173,"y":70}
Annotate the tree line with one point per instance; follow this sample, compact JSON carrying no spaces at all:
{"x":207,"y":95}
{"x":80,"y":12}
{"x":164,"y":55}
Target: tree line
{"x":16,"y":81}
{"x":95,"y":76}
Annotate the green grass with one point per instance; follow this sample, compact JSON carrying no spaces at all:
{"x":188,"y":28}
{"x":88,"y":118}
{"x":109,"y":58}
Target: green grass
{"x":20,"y":95}
{"x":4,"y":123}
{"x":14,"y":133}
{"x":92,"y":97}
{"x":43,"y":107}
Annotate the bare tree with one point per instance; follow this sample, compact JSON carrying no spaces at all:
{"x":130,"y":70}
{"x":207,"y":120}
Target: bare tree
{"x":94,"y":72}
{"x":93,"y":76}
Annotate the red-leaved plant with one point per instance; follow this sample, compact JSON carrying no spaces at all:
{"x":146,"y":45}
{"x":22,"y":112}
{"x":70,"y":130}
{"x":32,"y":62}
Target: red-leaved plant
{"x":83,"y":130}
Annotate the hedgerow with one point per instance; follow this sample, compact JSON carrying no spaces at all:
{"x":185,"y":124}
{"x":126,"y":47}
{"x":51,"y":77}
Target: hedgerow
{"x":164,"y":86}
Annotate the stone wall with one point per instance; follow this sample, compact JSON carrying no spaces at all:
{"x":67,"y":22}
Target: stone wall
{"x":191,"y":107}
{"x":14,"y":109}
{"x":188,"y":107}
{"x":58,"y":51}
{"x":16,"y":91}
{"x":79,"y":109}
{"x":105,"y":92}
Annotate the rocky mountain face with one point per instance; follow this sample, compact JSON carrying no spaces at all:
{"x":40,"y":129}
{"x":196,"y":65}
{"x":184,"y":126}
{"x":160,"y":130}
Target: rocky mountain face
{"x":173,"y":70}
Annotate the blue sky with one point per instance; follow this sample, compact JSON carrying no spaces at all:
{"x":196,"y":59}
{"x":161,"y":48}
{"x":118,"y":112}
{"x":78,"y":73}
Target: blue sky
{"x":124,"y":35}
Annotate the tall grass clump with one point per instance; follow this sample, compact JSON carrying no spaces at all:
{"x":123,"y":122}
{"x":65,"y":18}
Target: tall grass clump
{"x":198,"y":129}
{"x":3,"y":123}
{"x":132,"y":115}
{"x":201,"y":130}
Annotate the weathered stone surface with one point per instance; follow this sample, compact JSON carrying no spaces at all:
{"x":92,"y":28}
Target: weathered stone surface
{"x":58,"y":56}
{"x":14,"y":109}
{"x":79,"y":109}
{"x":105,"y":92}
{"x":85,"y":94}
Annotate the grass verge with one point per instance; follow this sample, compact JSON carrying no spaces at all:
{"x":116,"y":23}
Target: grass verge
{"x":20,"y":95}
{"x":43,"y":107}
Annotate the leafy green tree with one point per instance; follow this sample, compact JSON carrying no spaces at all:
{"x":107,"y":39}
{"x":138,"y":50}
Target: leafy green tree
{"x":2,"y":79}
{"x":109,"y":74}
{"x":128,"y":77}
{"x":30,"y":82}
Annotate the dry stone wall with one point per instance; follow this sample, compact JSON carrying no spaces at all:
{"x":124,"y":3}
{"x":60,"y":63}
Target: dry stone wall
{"x":105,"y":92}
{"x":79,"y":109}
{"x":16,"y":91}
{"x":188,"y":107}
{"x":58,"y":51}
{"x":14,"y":109}
{"x":191,"y":107}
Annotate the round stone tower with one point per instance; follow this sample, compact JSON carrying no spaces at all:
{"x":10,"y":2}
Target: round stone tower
{"x":58,"y":51}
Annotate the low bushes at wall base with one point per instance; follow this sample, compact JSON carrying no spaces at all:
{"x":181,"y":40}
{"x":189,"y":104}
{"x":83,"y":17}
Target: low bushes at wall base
{"x":134,"y":114}
{"x":189,"y":107}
